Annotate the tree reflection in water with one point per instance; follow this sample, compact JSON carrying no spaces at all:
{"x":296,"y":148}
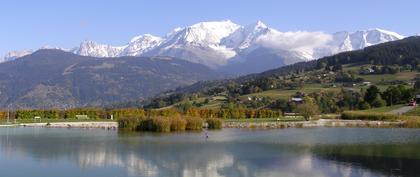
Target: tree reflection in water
{"x":226,"y":153}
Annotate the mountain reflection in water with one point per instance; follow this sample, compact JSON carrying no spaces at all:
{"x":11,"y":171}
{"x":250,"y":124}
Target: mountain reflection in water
{"x":230,"y":152}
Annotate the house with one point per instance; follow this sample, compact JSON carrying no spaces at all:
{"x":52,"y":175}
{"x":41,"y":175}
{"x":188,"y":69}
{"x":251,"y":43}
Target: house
{"x":366,"y":83}
{"x":367,"y":71}
{"x":297,"y":100}
{"x":349,"y":84}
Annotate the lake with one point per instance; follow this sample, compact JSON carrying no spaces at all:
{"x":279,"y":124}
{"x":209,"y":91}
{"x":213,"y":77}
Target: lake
{"x":45,"y":152}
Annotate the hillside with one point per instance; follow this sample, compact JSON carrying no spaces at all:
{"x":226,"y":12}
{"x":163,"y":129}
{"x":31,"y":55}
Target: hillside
{"x":54,"y":78}
{"x":389,"y":64}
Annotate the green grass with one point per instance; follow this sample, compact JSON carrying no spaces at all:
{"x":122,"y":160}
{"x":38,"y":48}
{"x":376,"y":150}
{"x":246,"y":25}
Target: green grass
{"x":285,"y":94}
{"x":413,"y":112}
{"x":375,"y":78}
{"x":383,"y":109}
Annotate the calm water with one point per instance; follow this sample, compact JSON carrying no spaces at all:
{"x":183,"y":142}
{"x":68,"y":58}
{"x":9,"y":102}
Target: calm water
{"x":40,"y":152}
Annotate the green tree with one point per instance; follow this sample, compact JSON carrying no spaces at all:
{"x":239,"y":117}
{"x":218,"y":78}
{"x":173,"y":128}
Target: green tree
{"x":378,"y":102}
{"x":308,"y":108}
{"x":371,"y":94}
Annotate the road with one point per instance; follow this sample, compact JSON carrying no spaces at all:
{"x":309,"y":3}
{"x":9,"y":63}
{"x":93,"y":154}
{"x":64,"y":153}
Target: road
{"x":402,"y":110}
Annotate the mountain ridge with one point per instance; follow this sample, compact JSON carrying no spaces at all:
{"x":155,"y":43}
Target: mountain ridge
{"x":220,"y":44}
{"x":51,"y":78}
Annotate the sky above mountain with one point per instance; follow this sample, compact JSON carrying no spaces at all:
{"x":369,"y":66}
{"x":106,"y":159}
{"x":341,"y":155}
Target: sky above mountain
{"x":64,"y":23}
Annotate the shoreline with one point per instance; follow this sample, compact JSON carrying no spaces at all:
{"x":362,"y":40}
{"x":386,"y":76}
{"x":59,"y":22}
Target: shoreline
{"x":240,"y":125}
{"x":315,"y":123}
{"x":103,"y":125}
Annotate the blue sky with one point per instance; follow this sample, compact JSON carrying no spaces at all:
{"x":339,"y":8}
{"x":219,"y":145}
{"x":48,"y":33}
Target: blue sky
{"x":30,"y":24}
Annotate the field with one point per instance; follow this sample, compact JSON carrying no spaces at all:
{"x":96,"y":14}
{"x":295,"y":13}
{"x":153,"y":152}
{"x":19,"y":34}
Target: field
{"x":383,"y":109}
{"x":285,"y":94}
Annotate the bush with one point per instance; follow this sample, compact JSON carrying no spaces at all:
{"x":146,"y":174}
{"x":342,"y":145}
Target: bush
{"x":178,"y":124}
{"x":129,"y":112}
{"x":412,"y":122}
{"x":129,"y":123}
{"x":364,"y":105}
{"x":194,"y":123}
{"x":44,"y":114}
{"x":215,"y":123}
{"x":161,"y":124}
{"x":378,"y":102}
{"x":352,"y":115}
{"x":92,"y":113}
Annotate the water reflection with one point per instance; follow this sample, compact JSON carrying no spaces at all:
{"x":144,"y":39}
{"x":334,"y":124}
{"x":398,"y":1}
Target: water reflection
{"x":227,"y":153}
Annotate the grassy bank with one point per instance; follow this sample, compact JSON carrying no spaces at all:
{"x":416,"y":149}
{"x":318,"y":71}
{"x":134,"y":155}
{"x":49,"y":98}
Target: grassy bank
{"x":409,"y":121}
{"x":24,"y":121}
{"x":383,"y":109}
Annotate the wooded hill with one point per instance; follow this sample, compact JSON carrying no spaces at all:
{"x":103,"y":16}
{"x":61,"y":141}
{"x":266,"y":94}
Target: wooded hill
{"x":348,"y":73}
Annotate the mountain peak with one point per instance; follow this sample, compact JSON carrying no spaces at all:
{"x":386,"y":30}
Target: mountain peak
{"x":92,"y":48}
{"x":208,"y":24}
{"x":259,"y":24}
{"x":387,"y":32}
{"x":143,"y":37}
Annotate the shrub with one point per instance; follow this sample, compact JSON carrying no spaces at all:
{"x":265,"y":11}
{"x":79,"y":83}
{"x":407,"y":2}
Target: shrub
{"x":129,"y":123}
{"x":215,"y":123}
{"x":352,"y":115}
{"x":146,"y":125}
{"x":194,"y":123}
{"x":44,"y":114}
{"x":129,"y":112}
{"x":161,"y":124}
{"x":92,"y":113}
{"x":178,"y":124}
{"x":364,"y":105}
{"x":412,"y":122}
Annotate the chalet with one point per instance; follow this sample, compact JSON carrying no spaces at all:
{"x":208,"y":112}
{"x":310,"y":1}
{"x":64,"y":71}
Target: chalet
{"x":366,"y":83}
{"x":367,"y":71}
{"x":349,"y":84}
{"x":297,"y":99}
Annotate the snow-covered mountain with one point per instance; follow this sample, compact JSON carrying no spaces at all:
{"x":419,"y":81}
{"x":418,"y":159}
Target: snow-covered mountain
{"x":219,"y":44}
{"x":15,"y":54}
{"x":93,"y":49}
{"x":346,"y":41}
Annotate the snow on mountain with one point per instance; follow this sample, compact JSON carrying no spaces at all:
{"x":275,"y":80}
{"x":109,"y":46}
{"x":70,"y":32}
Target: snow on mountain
{"x":141,"y":44}
{"x":204,"y":33}
{"x":245,"y":37}
{"x":15,"y":54}
{"x":90,"y":48}
{"x":199,"y":43}
{"x":346,"y":41}
{"x":218,"y":43}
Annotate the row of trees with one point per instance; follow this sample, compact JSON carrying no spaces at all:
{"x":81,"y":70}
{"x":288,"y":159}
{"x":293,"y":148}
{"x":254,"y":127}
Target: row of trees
{"x":349,"y":99}
{"x":94,"y":113}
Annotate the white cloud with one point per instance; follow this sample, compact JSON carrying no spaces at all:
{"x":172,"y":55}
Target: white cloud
{"x":302,"y":41}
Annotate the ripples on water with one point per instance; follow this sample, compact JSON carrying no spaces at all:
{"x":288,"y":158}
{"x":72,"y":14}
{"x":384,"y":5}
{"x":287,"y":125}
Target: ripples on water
{"x":42,"y":152}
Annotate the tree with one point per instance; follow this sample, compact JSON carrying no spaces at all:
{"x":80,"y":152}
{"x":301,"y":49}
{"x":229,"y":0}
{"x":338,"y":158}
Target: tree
{"x":183,"y":107}
{"x":417,"y":83}
{"x":397,"y":95}
{"x":308,"y":108}
{"x":364,"y":105}
{"x":371,"y":94}
{"x":378,"y":102}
